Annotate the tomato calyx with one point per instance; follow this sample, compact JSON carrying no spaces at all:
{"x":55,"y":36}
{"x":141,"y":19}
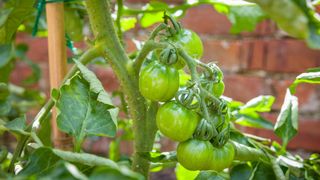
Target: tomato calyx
{"x":189,"y":98}
{"x":168,"y":56}
{"x":204,"y":130}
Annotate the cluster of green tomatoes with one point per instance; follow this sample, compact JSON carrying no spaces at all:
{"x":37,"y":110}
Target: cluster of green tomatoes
{"x":185,"y":115}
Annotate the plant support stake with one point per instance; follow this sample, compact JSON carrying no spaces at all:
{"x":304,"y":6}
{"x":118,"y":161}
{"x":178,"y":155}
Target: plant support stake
{"x":57,"y":64}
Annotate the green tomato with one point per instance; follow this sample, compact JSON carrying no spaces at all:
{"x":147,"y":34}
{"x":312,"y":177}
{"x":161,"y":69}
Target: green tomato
{"x":222,"y":157}
{"x":195,"y":154}
{"x":218,"y":88}
{"x":190,"y":42}
{"x":176,"y":121}
{"x":158,"y":82}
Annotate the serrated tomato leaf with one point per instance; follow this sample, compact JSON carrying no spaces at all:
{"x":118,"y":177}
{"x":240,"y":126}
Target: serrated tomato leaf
{"x":258,"y":104}
{"x":240,"y":171}
{"x":85,"y":108}
{"x":17,"y":126}
{"x":44,"y":160}
{"x":244,"y":16}
{"x":308,"y":77}
{"x":80,"y":113}
{"x":159,"y":157}
{"x":286,"y":126}
{"x":96,"y":87}
{"x":151,"y":18}
{"x":253,"y":119}
{"x":20,"y":10}
{"x":183,"y":173}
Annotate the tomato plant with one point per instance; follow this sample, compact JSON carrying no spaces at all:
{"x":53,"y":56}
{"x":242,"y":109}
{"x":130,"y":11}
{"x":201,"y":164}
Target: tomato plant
{"x":150,"y":100}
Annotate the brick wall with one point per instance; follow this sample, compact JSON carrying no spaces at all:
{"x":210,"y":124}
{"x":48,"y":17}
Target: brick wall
{"x":254,"y":63}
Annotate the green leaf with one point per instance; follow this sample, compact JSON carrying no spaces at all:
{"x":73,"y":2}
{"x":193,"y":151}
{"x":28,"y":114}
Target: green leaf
{"x":308,"y":77}
{"x":286,"y":126}
{"x":262,"y":171}
{"x":85,"y":158}
{"x":240,"y":171}
{"x":159,"y":157}
{"x":253,"y":119}
{"x":46,"y":159}
{"x":95,"y":84}
{"x":17,"y":126}
{"x":102,"y":173}
{"x":211,"y":175}
{"x":4,"y":14}
{"x":44,"y":132}
{"x":313,"y":39}
{"x":183,"y":173}
{"x":96,"y":87}
{"x":258,"y":104}
{"x":85,"y":108}
{"x":151,"y":18}
{"x":5,"y":107}
{"x":287,"y":15}
{"x":5,"y":72}
{"x":243,"y":17}
{"x":63,"y":170}
{"x":6,"y":54}
{"x":21,"y":10}
{"x":128,"y":23}
{"x":81,"y":113}
{"x":40,"y":161}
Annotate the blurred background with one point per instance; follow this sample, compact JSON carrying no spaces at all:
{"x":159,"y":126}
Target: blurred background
{"x":263,"y":62}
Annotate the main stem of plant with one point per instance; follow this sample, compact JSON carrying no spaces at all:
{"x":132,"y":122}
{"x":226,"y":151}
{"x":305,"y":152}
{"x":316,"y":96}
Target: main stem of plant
{"x":106,"y":36}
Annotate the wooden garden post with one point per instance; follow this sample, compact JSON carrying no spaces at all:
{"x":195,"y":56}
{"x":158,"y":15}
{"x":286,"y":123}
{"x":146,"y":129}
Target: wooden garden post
{"x":57,"y":64}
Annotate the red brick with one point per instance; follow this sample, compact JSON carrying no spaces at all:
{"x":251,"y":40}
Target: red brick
{"x":205,"y":20}
{"x":257,"y":51}
{"x":290,"y":56}
{"x":230,"y":55}
{"x":243,"y":88}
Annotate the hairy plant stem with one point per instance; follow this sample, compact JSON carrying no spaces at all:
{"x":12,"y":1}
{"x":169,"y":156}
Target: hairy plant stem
{"x":84,"y":59}
{"x":105,"y":34}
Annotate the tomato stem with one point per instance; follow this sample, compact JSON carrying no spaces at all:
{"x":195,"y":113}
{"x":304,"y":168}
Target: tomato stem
{"x":149,"y":46}
{"x":99,"y":12}
{"x":192,"y":65}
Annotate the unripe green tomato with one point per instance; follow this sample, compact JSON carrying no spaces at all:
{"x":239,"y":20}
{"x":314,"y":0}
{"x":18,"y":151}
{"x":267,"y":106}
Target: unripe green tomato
{"x":218,"y":88}
{"x":176,"y":121}
{"x":158,"y":82}
{"x":222,"y":157}
{"x":191,"y":43}
{"x":195,"y":154}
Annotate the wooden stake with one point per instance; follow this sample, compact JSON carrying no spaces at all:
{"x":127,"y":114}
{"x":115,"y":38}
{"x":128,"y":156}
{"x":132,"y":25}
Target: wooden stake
{"x":57,"y":64}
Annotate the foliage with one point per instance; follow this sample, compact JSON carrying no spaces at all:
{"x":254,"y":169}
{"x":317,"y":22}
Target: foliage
{"x":86,"y":110}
